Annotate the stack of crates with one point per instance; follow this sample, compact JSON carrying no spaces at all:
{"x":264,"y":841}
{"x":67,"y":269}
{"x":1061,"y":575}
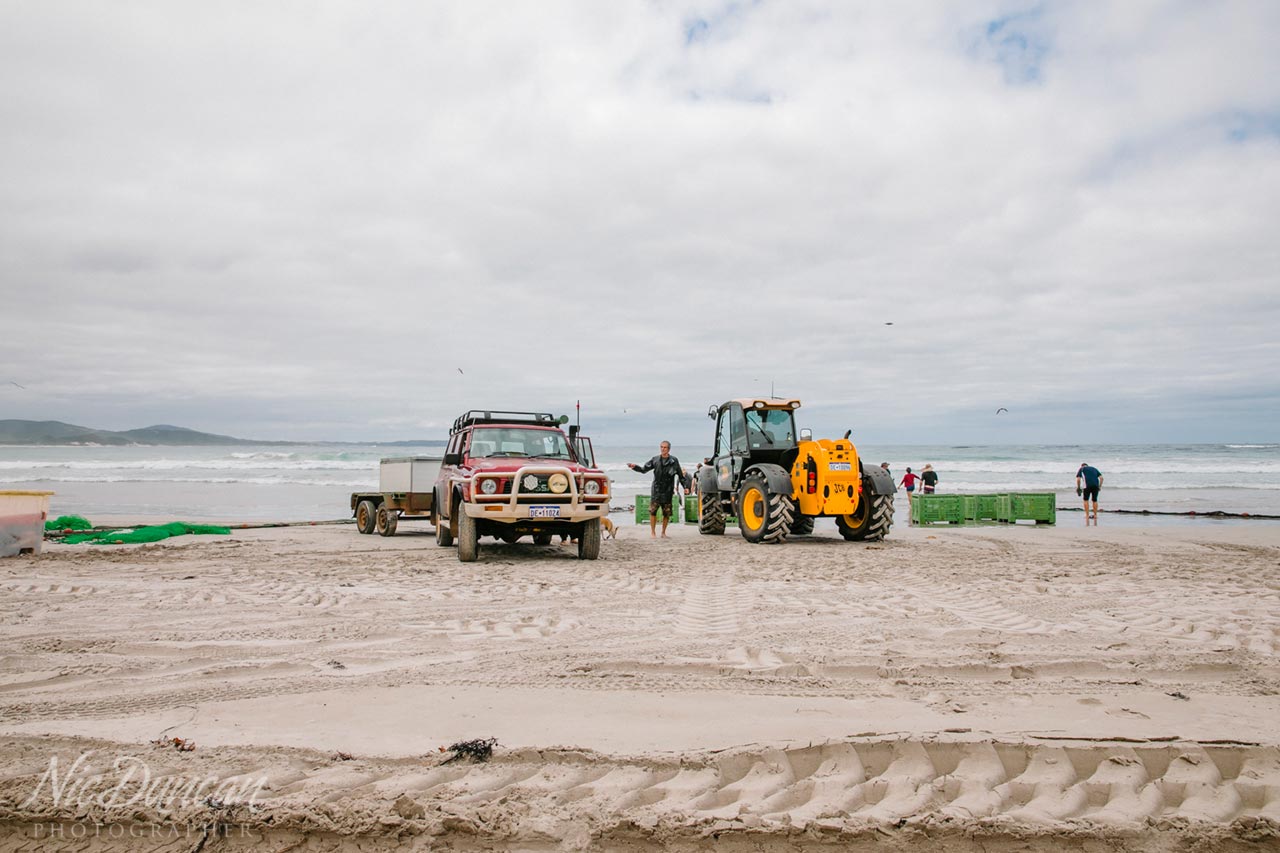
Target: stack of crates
{"x":1040,"y":507}
{"x":642,"y":509}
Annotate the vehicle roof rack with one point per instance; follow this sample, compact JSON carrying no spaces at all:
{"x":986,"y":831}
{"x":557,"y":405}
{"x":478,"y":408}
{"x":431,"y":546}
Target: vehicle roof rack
{"x":477,"y":416}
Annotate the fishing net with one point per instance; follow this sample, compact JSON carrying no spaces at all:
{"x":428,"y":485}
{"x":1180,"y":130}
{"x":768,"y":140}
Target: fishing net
{"x":150,"y":533}
{"x":68,"y":522}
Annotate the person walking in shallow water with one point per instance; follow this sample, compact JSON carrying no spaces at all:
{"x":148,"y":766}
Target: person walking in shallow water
{"x":930,"y":479}
{"x":666,"y":473}
{"x":1092,"y":479}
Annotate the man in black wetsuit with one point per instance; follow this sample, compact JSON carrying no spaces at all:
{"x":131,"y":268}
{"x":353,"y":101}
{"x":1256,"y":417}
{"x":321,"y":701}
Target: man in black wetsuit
{"x":666,"y":473}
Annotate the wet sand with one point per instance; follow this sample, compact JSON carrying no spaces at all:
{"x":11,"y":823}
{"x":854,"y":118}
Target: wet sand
{"x":949,"y":689}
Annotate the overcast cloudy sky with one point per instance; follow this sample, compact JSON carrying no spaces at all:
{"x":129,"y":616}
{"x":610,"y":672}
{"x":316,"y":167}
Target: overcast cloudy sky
{"x":353,"y":221}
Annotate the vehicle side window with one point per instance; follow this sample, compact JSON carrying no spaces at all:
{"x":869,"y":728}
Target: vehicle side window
{"x":722,"y":434}
{"x":737,"y":427}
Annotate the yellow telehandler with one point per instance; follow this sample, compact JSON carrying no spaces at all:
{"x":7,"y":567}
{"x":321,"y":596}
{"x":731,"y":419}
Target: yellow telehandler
{"x":777,"y":481}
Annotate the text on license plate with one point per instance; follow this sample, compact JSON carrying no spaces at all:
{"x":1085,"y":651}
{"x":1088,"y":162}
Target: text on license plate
{"x":839,"y":466}
{"x":544,"y":512}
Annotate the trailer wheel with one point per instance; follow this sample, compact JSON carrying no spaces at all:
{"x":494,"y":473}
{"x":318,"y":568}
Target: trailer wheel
{"x":589,"y":540}
{"x":365,"y":512}
{"x":542,"y":539}
{"x":386,"y":521}
{"x":468,"y":538}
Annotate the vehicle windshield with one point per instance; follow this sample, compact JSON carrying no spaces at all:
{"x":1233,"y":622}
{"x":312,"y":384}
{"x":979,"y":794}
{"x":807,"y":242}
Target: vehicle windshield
{"x":491,"y":442}
{"x":770,"y":428}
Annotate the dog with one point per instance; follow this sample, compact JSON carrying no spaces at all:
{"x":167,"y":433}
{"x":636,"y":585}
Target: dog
{"x":610,"y":532}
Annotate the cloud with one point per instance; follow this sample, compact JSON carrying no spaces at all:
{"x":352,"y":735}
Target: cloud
{"x":298,"y":222}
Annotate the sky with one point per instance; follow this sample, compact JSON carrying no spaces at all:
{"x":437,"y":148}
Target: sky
{"x":351,"y":221}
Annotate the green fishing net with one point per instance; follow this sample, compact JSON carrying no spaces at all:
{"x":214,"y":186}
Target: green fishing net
{"x":150,"y":533}
{"x":68,"y":522}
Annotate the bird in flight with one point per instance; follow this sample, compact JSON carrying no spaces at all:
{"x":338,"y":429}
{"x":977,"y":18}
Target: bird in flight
{"x":1002,"y":409}
{"x":23,"y":387}
{"x":889,"y":323}
{"x":460,"y":371}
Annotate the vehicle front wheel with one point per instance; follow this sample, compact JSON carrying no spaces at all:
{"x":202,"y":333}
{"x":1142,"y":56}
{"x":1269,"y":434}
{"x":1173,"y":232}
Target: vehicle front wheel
{"x":763,"y":517}
{"x":589,"y":540}
{"x":710,"y":515}
{"x":802,"y":526}
{"x":365,"y":512}
{"x":468,"y":537}
{"x":386,"y":521}
{"x":542,"y":539}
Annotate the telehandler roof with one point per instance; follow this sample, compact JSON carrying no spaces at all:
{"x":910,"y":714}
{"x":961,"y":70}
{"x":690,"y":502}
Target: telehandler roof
{"x":768,"y":402}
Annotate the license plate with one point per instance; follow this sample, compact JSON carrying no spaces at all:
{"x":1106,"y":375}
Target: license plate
{"x":839,"y":466}
{"x":544,"y":512}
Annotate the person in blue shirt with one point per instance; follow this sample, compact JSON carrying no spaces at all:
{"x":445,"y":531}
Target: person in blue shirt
{"x":1092,"y":479}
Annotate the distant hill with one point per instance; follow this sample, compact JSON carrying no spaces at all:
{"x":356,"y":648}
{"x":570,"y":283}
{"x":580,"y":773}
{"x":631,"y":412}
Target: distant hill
{"x":56,"y":432}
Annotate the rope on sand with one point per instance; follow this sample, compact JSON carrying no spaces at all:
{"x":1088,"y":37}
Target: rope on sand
{"x":248,"y":525}
{"x":1217,"y":513}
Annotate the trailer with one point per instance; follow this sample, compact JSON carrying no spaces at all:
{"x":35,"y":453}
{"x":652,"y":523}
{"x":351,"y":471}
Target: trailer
{"x":405,"y":485}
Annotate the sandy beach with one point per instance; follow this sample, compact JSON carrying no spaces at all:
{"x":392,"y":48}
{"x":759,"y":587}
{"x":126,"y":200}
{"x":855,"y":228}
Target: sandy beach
{"x":953,"y":689}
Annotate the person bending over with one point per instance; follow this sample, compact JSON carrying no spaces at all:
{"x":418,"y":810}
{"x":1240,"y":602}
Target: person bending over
{"x":1092,"y":479}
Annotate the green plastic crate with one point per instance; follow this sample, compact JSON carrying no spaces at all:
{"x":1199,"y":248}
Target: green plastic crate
{"x":691,"y":509}
{"x":1040,"y":507}
{"x":930,"y":509}
{"x":642,"y":509}
{"x":980,"y":507}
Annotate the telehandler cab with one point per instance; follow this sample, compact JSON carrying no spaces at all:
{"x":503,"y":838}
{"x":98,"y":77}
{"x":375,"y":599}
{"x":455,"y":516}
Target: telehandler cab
{"x":777,"y":481}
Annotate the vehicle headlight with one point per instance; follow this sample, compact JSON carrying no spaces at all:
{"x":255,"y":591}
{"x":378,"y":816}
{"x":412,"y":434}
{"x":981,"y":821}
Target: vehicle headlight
{"x":592,"y":487}
{"x":558,"y":483}
{"x":489,"y":486}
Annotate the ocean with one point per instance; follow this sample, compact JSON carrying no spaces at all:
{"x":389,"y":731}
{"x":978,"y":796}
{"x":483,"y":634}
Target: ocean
{"x":313,"y":482}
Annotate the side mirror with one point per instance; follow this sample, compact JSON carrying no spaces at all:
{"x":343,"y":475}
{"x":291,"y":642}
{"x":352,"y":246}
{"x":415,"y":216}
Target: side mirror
{"x":713,"y":411}
{"x":453,"y":459}
{"x":806,"y":435}
{"x":706,"y":461}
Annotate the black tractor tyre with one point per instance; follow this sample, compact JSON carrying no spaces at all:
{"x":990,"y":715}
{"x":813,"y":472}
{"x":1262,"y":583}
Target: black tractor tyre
{"x":509,"y":538}
{"x":589,"y":540}
{"x":365,"y":516}
{"x":802,"y":526}
{"x":710,"y":515}
{"x":763,"y":517}
{"x":542,"y":539}
{"x":386,"y":521}
{"x":468,"y":537}
{"x":871,"y":522}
